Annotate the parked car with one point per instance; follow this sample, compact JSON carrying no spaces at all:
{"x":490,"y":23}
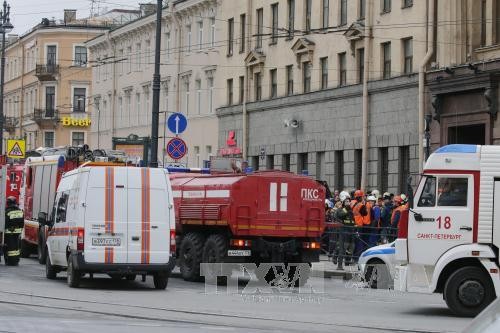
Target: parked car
{"x":377,"y":266}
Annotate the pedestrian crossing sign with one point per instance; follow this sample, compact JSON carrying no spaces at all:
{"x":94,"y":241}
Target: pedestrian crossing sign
{"x":16,"y":148}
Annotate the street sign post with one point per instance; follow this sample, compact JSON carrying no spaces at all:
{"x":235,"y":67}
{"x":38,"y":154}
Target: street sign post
{"x":176,"y":148}
{"x":177,"y":123}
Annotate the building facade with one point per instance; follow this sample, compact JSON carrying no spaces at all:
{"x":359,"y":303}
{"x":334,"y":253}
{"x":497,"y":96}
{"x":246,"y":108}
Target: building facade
{"x":327,"y":87}
{"x":122,"y":79}
{"x":462,"y":85}
{"x":48,"y":82}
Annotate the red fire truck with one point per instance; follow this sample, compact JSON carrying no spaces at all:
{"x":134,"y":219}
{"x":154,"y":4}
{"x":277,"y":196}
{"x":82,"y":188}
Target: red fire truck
{"x":262,"y":217}
{"x":41,"y":177}
{"x":14,"y":180}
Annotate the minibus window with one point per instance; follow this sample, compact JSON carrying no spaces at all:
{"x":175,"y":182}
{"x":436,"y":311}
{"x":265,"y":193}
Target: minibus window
{"x":428,"y":195}
{"x":61,"y":208}
{"x":452,"y":192}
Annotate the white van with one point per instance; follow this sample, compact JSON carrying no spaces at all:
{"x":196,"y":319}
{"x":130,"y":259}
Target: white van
{"x":113,"y":220}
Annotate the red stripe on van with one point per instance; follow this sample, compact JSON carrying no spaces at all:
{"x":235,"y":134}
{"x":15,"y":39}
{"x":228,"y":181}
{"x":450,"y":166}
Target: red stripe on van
{"x":109,"y":210}
{"x":145,"y":215}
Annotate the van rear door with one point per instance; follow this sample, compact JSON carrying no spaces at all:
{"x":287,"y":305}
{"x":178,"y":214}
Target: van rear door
{"x":106,"y":234}
{"x":149,"y":216}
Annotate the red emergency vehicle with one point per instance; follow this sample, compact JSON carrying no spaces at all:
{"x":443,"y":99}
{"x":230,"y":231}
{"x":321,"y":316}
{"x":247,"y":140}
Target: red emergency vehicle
{"x":14,"y":180}
{"x":262,"y":217}
{"x":41,"y":177}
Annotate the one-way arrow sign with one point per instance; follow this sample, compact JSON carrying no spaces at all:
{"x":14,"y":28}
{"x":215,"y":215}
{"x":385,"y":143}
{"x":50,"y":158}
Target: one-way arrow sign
{"x":177,"y":123}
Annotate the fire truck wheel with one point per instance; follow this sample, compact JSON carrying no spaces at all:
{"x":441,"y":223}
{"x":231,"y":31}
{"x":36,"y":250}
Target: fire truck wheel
{"x":42,"y":255}
{"x":50,"y":271}
{"x":160,"y":280}
{"x":190,"y":256}
{"x":25,"y":249}
{"x":468,"y":291}
{"x":73,"y":276}
{"x":214,"y":251}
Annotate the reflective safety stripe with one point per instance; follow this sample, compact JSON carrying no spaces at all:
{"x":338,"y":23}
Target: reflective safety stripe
{"x":15,"y":214}
{"x":15,"y":231}
{"x":13,"y":253}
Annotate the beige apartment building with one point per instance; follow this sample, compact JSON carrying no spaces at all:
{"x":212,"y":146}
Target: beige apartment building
{"x":191,"y":49}
{"x":48,"y":81}
{"x":325,"y":87}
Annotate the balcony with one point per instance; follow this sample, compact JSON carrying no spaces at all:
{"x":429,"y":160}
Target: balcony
{"x":46,"y":117}
{"x":47,"y":72}
{"x":10,"y":124}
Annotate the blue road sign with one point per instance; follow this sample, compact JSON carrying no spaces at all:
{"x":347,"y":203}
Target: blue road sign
{"x":177,"y":123}
{"x":176,"y":148}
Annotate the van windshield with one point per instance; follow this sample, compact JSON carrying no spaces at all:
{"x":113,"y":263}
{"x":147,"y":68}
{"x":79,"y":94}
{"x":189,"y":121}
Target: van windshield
{"x":428,"y":195}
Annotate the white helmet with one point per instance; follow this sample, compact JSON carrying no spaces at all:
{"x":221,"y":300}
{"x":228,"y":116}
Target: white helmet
{"x":344,"y":195}
{"x":376,"y":194}
{"x":403,"y":197}
{"x":371,"y":198}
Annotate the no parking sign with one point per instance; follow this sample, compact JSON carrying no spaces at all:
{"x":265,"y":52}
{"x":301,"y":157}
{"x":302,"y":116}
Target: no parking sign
{"x":176,"y":148}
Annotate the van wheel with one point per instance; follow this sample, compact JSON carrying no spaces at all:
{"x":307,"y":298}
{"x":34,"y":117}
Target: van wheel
{"x":190,"y":256}
{"x":377,"y":275}
{"x":25,"y":249}
{"x":160,"y":280}
{"x":214,"y":251}
{"x":50,"y":271}
{"x":42,"y":255}
{"x":74,"y":276}
{"x":468,"y":291}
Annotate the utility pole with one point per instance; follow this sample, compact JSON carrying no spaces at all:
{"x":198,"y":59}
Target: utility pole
{"x":5,"y":28}
{"x":155,"y":120}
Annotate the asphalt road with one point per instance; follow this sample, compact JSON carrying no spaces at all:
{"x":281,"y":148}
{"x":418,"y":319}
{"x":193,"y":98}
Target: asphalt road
{"x":31,"y":303}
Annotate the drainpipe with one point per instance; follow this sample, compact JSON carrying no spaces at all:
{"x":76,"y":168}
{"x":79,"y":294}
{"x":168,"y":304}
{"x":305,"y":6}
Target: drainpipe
{"x":421,"y":82}
{"x":113,"y":90}
{"x":366,"y":100}
{"x":247,"y":83}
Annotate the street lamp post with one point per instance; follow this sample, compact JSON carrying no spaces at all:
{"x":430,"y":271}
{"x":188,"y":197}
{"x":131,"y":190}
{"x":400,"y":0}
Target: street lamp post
{"x":156,"y":90}
{"x":5,"y":28}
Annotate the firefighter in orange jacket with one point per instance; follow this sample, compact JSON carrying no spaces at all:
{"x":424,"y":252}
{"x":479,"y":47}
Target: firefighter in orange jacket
{"x":361,"y":212}
{"x":399,"y":206}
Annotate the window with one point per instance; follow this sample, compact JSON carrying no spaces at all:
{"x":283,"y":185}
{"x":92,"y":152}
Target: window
{"x":306,"y":76}
{"x":320,"y":161}
{"x":270,"y":162}
{"x":230,"y":36}
{"x":308,"y":7}
{"x":138,"y":105}
{"x":122,"y":60}
{"x":273,"y":74}
{"x":386,"y":56}
{"x":452,"y":192}
{"x":50,"y":101}
{"x":404,"y":168}
{"x":383,"y":169}
{"x":343,"y":12}
{"x":210,"y":83}
{"x":324,"y":72}
{"x":358,"y":157}
{"x":289,"y":80}
{"x":208,"y":149}
{"x":483,"y":22}
{"x":291,"y":18}
{"x":342,"y":69}
{"x":212,"y":31}
{"x":197,"y":155}
{"x":243,"y":26}
{"x":386,"y":6}
{"x":362,"y":9}
{"x":62,"y":205}
{"x":120,"y":110}
{"x":80,"y":56}
{"x":274,"y":23}
{"x":168,"y":41}
{"x":48,"y":139}
{"x":242,"y":89}
{"x":79,"y":96}
{"x":138,"y":58}
{"x":260,"y":22}
{"x":129,"y":56}
{"x":428,"y":195}
{"x":78,"y":138}
{"x":230,"y":92}
{"x":188,"y":38}
{"x":361,"y":65}
{"x":326,"y":13}
{"x":407,"y":3}
{"x":200,"y":35}
{"x":51,"y":56}
{"x":285,"y":163}
{"x":302,"y":163}
{"x":408,"y":55}
{"x":198,"y":96}
{"x":186,"y":96}
{"x":258,"y":86}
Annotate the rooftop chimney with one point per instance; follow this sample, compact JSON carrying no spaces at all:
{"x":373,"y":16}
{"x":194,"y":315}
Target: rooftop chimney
{"x":147,"y":8}
{"x":69,"y":15}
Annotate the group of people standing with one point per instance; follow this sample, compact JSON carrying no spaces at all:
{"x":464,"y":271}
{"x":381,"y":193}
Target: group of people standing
{"x":361,"y":221}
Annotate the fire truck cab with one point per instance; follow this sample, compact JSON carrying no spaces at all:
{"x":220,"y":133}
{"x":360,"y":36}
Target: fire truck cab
{"x":449,"y":243}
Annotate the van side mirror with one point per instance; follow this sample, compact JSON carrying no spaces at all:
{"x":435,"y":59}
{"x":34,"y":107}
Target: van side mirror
{"x":418,"y":217}
{"x":42,"y":218}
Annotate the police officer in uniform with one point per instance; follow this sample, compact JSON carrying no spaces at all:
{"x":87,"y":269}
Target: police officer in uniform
{"x":14,"y":222}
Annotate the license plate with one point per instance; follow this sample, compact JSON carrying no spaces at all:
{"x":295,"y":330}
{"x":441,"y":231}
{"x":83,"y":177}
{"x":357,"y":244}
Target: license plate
{"x":239,"y":253}
{"x":106,"y":242}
